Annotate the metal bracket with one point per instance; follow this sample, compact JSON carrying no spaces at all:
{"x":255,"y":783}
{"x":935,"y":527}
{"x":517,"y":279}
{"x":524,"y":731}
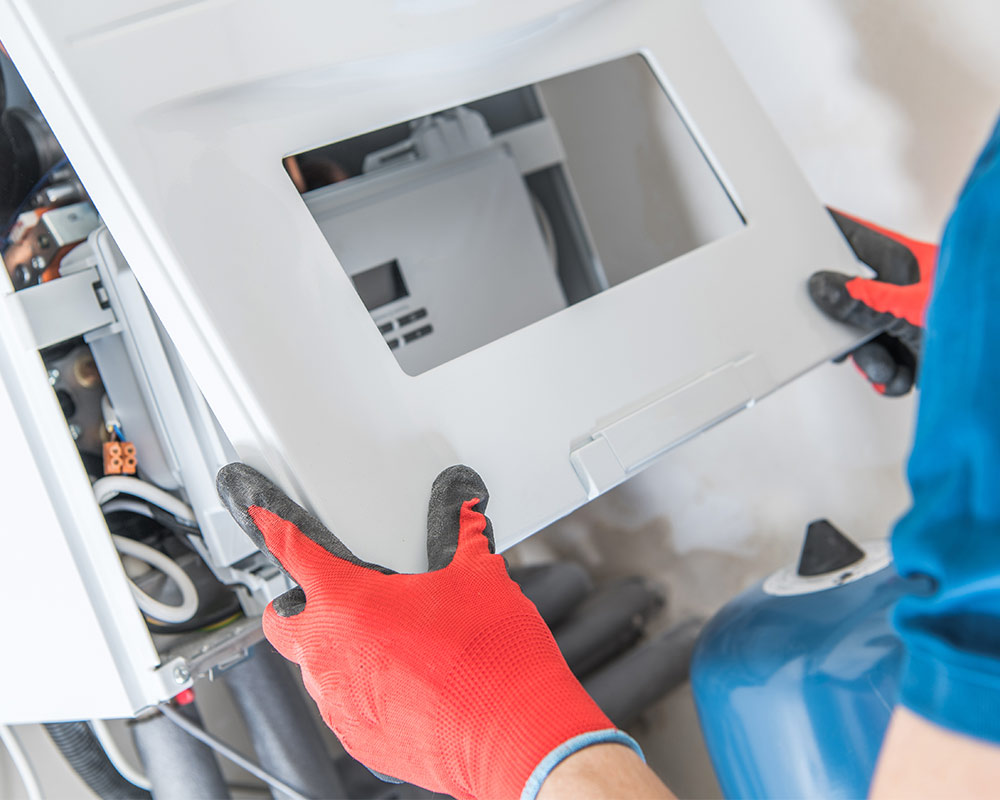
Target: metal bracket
{"x":207,"y":654}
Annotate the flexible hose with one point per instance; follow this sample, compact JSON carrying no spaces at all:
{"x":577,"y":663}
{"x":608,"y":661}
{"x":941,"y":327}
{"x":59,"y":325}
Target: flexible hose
{"x":150,"y":605}
{"x":83,"y":751}
{"x":117,"y":758}
{"x":113,"y":485}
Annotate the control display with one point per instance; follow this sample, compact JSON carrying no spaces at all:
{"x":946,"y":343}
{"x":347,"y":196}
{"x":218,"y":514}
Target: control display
{"x":380,"y":285}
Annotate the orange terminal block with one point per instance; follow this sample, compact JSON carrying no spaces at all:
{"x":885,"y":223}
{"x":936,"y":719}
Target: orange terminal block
{"x":119,"y":458}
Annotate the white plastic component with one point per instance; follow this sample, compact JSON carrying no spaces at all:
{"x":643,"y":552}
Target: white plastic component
{"x":467,"y":244}
{"x":787,"y":581}
{"x":75,"y":644}
{"x":183,"y":157}
{"x":72,"y":223}
{"x":623,"y":447}
{"x":534,"y":146}
{"x":63,"y":309}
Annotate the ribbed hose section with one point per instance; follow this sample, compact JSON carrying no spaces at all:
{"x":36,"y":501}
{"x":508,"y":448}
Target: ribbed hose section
{"x":83,"y":751}
{"x":284,"y":733}
{"x":178,"y":765}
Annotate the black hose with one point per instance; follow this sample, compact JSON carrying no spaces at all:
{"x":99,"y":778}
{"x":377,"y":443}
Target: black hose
{"x":85,"y":754}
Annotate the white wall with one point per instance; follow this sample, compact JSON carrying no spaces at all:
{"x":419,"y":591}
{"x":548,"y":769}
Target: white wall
{"x":884,"y":105}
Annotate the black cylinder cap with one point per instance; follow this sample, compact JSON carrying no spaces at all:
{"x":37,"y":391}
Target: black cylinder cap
{"x":826,"y":549}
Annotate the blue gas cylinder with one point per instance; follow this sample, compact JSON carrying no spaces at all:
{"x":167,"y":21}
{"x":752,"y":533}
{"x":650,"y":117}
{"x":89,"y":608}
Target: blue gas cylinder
{"x":796,"y":678}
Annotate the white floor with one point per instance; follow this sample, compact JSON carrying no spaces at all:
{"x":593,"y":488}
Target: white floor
{"x":884,"y":105}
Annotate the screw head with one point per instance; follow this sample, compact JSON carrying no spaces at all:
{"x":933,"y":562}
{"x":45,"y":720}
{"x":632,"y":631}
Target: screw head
{"x":181,"y":674}
{"x":53,"y":376}
{"x":74,"y":431}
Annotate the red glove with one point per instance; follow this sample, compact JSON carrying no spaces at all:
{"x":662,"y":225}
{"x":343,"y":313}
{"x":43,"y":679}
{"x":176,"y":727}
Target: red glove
{"x":448,"y":679}
{"x":894,"y":303}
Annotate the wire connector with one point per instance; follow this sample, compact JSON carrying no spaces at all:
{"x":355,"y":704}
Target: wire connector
{"x":119,"y":458}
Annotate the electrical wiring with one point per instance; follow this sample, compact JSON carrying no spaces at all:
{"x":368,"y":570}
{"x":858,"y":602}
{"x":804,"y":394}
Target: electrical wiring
{"x":150,"y":605}
{"x":110,"y":486}
{"x":111,"y":422}
{"x":201,"y":623}
{"x":222,"y":623}
{"x":225,"y":750}
{"x":134,"y":775}
{"x":212,"y":615}
{"x":184,"y":531}
{"x":158,"y":515}
{"x":116,"y":757}
{"x":125,"y":504}
{"x":21,"y":762}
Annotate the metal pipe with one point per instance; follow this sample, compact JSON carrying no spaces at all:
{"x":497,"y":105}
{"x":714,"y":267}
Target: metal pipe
{"x":178,"y":766}
{"x":283,"y":731}
{"x":632,"y":683}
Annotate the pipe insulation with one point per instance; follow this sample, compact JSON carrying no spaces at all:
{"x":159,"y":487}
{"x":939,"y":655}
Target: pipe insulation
{"x":555,"y":588}
{"x":83,"y":751}
{"x":178,"y":766}
{"x":609,"y":621}
{"x":629,"y":685}
{"x":283,"y":731}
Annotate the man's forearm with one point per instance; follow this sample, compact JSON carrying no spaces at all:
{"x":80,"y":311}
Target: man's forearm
{"x":602,"y":771}
{"x":921,"y":759}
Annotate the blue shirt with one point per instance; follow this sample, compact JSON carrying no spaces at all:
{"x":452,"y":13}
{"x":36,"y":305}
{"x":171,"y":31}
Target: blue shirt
{"x":952,"y":531}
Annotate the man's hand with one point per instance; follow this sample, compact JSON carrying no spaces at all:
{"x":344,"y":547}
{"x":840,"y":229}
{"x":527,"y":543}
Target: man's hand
{"x":894,"y":302}
{"x":448,"y":679}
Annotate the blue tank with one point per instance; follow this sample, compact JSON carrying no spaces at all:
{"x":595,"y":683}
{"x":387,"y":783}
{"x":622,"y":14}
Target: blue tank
{"x":795,"y":680}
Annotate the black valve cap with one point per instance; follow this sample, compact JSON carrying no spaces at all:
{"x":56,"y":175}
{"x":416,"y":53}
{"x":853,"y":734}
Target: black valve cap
{"x":826,"y":549}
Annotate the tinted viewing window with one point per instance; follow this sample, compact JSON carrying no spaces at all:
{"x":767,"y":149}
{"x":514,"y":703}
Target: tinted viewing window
{"x":463,"y":226}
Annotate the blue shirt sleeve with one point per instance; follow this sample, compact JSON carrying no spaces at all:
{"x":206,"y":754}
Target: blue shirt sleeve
{"x":951,"y":533}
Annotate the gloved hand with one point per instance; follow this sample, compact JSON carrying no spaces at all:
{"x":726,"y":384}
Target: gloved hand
{"x":447,"y":679}
{"x":896,"y":300}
